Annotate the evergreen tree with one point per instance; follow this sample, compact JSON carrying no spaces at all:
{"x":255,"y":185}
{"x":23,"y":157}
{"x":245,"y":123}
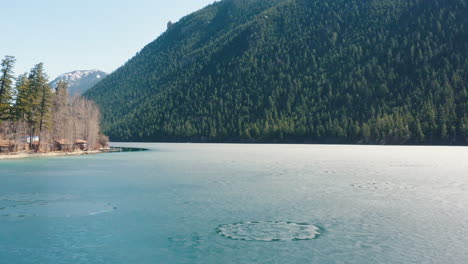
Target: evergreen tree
{"x":6,"y":87}
{"x":37,"y":100}
{"x":22,"y":105}
{"x":45,"y":117}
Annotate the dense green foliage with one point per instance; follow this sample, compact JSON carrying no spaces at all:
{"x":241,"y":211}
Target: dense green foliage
{"x":331,"y":71}
{"x":6,"y":86}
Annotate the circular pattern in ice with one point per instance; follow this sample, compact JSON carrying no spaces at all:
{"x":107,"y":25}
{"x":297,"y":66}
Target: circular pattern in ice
{"x":269,"y":231}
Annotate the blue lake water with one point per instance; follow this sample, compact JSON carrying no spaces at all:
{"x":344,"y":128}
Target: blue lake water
{"x":217,"y":203}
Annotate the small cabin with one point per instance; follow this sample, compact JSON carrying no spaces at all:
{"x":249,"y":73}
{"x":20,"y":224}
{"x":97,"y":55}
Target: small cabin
{"x":81,"y":144}
{"x":63,"y":145}
{"x":27,"y":139}
{"x":5,"y":146}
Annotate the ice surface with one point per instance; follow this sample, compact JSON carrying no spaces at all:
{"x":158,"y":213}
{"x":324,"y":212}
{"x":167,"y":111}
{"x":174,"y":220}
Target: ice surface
{"x":369,"y":204}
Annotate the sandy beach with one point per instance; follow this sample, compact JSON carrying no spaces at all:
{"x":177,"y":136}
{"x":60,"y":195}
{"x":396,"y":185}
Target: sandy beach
{"x":24,"y":155}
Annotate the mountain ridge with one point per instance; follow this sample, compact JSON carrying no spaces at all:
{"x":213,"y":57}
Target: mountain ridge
{"x":333,"y":71}
{"x":80,"y":80}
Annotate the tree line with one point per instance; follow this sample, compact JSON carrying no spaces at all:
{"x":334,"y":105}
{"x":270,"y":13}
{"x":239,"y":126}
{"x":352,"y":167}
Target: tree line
{"x":36,"y":116}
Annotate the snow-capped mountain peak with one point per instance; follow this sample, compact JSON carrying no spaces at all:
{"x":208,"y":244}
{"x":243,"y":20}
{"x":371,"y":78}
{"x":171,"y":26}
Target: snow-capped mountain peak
{"x":80,"y":81}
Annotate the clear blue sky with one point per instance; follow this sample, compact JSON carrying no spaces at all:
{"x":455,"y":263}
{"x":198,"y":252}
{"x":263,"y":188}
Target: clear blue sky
{"x":84,"y":34}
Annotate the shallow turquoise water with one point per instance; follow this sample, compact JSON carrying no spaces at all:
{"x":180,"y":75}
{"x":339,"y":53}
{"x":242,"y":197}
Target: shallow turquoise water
{"x":202,"y":203}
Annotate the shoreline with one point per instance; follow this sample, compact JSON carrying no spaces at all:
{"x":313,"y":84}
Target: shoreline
{"x":24,"y":155}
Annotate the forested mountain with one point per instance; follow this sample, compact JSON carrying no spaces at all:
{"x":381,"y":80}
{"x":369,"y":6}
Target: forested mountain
{"x":319,"y":71}
{"x":79,"y":81}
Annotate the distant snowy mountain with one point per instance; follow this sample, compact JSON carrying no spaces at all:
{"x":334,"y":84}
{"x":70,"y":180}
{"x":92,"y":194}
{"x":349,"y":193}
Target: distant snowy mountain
{"x":80,"y":81}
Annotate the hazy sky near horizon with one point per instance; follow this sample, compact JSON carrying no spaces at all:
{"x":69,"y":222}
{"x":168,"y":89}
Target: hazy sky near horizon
{"x":84,"y":34}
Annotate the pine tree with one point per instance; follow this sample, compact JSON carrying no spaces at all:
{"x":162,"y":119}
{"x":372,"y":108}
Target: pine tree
{"x":6,"y":87}
{"x":419,"y":132}
{"x":45,"y":117}
{"x":22,"y":105}
{"x":36,"y":100}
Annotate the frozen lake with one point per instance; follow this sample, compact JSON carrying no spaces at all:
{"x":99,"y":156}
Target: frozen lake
{"x":220,"y":203}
